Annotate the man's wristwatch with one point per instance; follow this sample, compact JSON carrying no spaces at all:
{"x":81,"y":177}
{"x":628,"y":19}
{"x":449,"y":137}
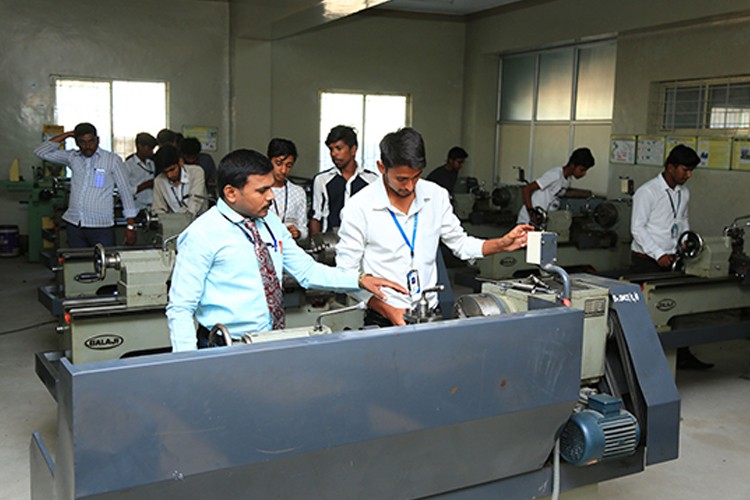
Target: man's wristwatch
{"x":130,"y":227}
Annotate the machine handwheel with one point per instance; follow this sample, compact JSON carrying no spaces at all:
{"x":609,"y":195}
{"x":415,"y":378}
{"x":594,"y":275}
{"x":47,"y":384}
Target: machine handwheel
{"x":689,"y":245}
{"x":100,"y":267}
{"x":539,"y":218}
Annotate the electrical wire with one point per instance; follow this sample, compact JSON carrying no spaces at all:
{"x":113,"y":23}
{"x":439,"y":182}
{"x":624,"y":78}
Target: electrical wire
{"x":556,"y":471}
{"x":29,"y":327}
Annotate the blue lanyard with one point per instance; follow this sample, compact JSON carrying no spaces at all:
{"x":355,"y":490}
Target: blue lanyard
{"x":241,"y":226}
{"x":403,"y":234}
{"x":181,"y":197}
{"x":679,"y":200}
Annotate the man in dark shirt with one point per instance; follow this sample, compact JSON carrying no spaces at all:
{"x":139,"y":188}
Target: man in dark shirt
{"x":333,"y":187}
{"x":446,"y":174}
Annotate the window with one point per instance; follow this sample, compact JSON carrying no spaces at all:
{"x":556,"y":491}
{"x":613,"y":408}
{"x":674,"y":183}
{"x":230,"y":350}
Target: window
{"x":550,"y":103}
{"x":705,"y":104}
{"x":574,"y":83}
{"x":371,"y":115}
{"x":118,"y":109}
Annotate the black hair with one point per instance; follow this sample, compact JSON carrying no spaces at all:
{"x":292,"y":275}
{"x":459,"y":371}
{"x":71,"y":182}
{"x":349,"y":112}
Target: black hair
{"x":281,"y":147}
{"x":166,"y":136}
{"x":403,"y":147}
{"x":145,"y":139}
{"x":166,"y":156}
{"x":682,"y":155}
{"x":342,"y":133}
{"x":190,"y":146}
{"x":83,"y":129}
{"x":457,"y":153}
{"x":582,"y":157}
{"x":235,"y":167}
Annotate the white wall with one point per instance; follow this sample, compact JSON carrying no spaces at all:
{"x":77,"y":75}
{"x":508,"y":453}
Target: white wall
{"x":372,"y":53}
{"x":709,"y":50}
{"x":645,"y":53}
{"x":185,"y":42}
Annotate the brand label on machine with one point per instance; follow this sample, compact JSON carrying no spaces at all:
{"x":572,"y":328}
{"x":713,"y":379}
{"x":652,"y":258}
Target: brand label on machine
{"x":666,"y":304}
{"x":508,"y":262}
{"x":626,"y":297}
{"x":103,"y":342}
{"x":594,"y":307}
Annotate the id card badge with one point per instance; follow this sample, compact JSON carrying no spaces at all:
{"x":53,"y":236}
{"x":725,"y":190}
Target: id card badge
{"x":99,"y":174}
{"x":675,"y":230}
{"x":412,"y":282}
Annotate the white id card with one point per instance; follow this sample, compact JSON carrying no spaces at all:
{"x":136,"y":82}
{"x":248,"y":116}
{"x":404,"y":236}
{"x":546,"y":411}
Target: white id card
{"x":412,"y":282}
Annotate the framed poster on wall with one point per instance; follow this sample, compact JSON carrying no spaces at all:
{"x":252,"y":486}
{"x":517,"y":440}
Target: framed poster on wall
{"x":207,"y":135}
{"x":715,"y":152}
{"x":741,"y":154}
{"x":650,"y":150}
{"x":622,"y":149}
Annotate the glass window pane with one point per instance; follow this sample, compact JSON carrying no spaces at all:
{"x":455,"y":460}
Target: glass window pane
{"x":78,"y":101}
{"x":339,"y":109}
{"x":729,"y":105}
{"x":682,"y":107}
{"x":517,"y":88}
{"x":137,"y":107}
{"x":555,"y":85}
{"x":596,"y":82}
{"x":383,"y":114}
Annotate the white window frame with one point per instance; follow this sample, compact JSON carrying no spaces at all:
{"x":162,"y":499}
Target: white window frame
{"x":54,"y":79}
{"x":707,"y":120}
{"x":324,"y":158}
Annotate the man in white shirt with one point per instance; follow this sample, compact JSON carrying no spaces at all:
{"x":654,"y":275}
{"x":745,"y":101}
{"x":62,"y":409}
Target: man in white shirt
{"x":393,"y":226}
{"x":660,"y":213}
{"x":660,"y":216}
{"x":139,"y":170}
{"x":545,"y":192}
{"x":290,"y":201}
{"x":178,"y":188}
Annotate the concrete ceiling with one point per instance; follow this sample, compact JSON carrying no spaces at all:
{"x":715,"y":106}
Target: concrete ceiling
{"x":275,"y":19}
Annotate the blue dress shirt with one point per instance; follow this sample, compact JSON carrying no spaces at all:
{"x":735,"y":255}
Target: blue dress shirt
{"x":216,"y":277}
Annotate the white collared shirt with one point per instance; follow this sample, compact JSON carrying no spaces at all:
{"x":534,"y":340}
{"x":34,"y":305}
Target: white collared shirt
{"x":370,"y":241}
{"x":290,"y":204}
{"x":137,"y":172}
{"x":552,"y":185}
{"x":656,"y":209}
{"x":91,"y":202}
{"x":331,"y":192}
{"x":189,"y":196}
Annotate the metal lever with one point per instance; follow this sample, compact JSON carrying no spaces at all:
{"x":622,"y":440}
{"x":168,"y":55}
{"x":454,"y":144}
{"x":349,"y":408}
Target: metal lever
{"x":319,"y":321}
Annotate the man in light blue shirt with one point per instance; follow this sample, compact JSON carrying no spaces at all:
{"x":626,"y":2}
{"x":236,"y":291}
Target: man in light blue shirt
{"x":96,"y":172}
{"x":217,"y":276}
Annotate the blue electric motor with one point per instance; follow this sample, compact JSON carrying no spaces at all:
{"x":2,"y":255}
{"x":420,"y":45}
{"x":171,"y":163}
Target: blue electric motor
{"x":602,"y":431}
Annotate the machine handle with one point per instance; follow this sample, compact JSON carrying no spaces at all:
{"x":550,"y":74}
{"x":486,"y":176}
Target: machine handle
{"x":87,"y":277}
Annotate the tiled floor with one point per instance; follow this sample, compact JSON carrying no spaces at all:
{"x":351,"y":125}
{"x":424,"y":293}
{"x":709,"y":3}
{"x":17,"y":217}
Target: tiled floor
{"x":714,"y":454}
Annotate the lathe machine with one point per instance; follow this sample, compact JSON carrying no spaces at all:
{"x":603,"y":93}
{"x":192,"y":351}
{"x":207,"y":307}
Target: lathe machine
{"x":706,"y":298}
{"x":470,"y":407}
{"x":593,"y":236}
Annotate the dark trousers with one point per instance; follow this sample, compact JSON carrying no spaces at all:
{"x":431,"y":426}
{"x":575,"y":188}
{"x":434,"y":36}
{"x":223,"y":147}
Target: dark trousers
{"x":86,"y":237}
{"x":374,"y":318}
{"x":643,"y":264}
